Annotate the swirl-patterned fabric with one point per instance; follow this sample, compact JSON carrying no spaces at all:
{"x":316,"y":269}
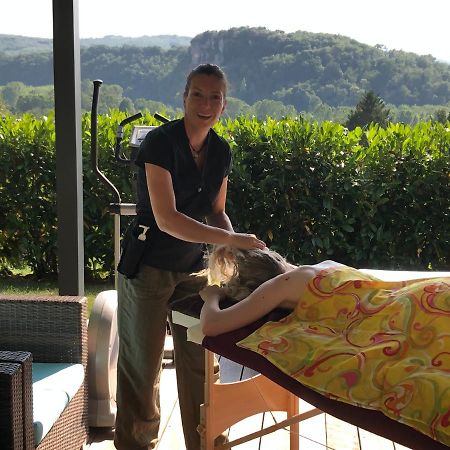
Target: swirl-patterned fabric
{"x":371,"y":343}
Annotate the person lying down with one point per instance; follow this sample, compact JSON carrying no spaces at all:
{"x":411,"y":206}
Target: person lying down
{"x":260,"y":280}
{"x":377,"y":344}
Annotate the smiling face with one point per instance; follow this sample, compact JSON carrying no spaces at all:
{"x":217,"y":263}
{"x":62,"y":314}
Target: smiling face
{"x":204,"y":101}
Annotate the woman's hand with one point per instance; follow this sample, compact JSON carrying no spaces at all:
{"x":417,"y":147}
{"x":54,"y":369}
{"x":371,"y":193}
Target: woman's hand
{"x":212,"y":292}
{"x":245,"y":241}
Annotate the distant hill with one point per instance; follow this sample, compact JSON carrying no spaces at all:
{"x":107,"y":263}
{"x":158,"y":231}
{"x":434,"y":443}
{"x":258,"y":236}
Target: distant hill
{"x":301,"y":69}
{"x":163,"y":41}
{"x":15,"y":45}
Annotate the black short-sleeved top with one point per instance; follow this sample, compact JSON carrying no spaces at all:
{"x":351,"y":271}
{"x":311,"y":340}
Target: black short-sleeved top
{"x":195,"y":191}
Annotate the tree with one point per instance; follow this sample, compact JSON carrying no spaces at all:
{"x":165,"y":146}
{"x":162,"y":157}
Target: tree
{"x":38,"y":104}
{"x":236,"y":107}
{"x":153,"y":106}
{"x":3,"y":107}
{"x":11,"y":93}
{"x":275,"y":109}
{"x":441,"y":116}
{"x":371,"y":108}
{"x":111,"y":96}
{"x":300,"y":96}
{"x":127,"y":105}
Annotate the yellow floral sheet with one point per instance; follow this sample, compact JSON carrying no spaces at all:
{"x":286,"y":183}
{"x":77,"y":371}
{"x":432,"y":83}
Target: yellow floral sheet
{"x":375,"y":344}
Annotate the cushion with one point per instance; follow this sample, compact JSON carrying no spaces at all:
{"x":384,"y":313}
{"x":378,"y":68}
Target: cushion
{"x":54,"y":385}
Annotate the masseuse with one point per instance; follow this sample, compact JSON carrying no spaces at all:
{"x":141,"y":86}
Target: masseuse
{"x":183,"y":169}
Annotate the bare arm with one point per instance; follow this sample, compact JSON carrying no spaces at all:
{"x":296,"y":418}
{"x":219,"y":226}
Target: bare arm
{"x":262,"y":300}
{"x":171,"y":221}
{"x":284,"y":290}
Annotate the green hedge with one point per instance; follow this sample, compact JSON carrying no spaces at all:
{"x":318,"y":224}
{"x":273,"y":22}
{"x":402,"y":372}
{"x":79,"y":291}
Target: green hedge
{"x":377,"y":198}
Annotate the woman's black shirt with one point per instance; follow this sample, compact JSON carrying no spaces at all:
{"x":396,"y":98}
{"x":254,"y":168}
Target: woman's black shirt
{"x":195,"y":191}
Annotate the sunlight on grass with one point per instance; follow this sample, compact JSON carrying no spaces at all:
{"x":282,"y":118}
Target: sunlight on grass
{"x":18,"y":285}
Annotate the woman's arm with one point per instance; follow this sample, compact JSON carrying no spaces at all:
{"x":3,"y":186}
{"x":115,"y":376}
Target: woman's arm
{"x":284,"y":290}
{"x":171,"y":221}
{"x":262,"y":300}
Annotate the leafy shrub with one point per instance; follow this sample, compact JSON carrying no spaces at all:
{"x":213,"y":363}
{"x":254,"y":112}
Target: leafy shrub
{"x":315,"y":192}
{"x":376,"y":198}
{"x":27,"y":192}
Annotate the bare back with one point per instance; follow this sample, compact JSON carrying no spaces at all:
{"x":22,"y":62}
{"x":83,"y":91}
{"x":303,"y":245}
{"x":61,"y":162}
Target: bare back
{"x":294,"y":282}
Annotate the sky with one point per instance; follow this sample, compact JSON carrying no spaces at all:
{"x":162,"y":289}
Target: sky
{"x":419,"y":26}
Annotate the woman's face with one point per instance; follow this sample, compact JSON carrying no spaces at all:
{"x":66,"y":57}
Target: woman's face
{"x":205,"y":101}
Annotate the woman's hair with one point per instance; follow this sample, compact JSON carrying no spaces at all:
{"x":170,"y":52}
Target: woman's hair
{"x":242,"y":271}
{"x":206,"y":69}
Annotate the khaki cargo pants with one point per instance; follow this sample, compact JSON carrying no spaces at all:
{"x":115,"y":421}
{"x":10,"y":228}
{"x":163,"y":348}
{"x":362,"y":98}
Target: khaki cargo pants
{"x":142,"y":318}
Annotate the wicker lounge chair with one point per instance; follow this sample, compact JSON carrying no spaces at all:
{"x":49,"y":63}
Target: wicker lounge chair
{"x":50,"y":329}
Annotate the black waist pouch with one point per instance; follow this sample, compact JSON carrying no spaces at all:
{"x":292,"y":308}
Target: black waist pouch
{"x":133,"y":245}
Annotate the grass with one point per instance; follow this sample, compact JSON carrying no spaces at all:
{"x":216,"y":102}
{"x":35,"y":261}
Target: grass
{"x":20,"y":284}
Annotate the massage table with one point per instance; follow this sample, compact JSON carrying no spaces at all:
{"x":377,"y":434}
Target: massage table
{"x":272,"y":390}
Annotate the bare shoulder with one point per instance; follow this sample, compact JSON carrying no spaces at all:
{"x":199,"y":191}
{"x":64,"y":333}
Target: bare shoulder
{"x":293,"y":283}
{"x":290,"y":285}
{"x":300,"y":275}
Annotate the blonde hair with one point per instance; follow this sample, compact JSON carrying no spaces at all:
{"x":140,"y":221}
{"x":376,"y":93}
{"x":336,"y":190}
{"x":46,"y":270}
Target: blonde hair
{"x":242,"y":271}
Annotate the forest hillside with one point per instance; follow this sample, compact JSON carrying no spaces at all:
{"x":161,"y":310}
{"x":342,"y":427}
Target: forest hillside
{"x":302,"y":69}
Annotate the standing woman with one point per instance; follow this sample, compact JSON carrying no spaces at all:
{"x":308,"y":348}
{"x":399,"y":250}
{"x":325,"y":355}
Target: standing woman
{"x":183,"y":168}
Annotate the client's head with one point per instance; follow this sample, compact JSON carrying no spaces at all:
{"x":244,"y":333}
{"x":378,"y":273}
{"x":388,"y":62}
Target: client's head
{"x":242,"y":271}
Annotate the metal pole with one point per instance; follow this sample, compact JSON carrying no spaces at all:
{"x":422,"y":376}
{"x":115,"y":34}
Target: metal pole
{"x":69,"y":186}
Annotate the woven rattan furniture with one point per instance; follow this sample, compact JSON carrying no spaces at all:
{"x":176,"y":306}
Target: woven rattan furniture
{"x":51,"y":329}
